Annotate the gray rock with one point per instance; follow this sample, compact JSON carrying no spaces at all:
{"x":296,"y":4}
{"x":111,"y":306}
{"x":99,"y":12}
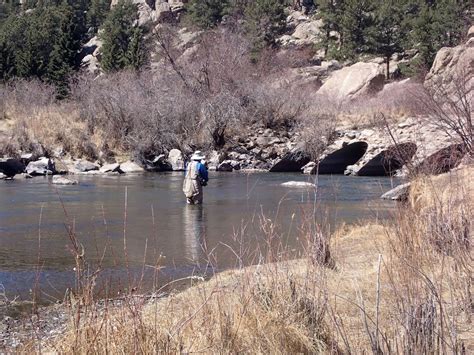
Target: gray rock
{"x":235,"y":165}
{"x":131,"y":167}
{"x":84,"y":166}
{"x":158,"y":163}
{"x":358,"y":80}
{"x":308,"y":168}
{"x":43,"y":166}
{"x":109,"y":168}
{"x":225,"y":166}
{"x":263,"y":141}
{"x":399,"y":193}
{"x":215,"y":158}
{"x":61,"y":180}
{"x":176,"y":159}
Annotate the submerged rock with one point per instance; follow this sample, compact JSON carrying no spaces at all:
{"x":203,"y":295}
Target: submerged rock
{"x":299,"y":184}
{"x":60,"y":180}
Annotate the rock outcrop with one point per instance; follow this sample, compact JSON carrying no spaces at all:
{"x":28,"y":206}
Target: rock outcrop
{"x":453,"y":67}
{"x":358,"y":80}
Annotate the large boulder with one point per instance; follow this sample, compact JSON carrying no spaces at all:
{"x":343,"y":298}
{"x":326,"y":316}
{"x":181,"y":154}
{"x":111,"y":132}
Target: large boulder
{"x":176,"y":159}
{"x":291,"y":162}
{"x":360,"y":79}
{"x":131,"y":167}
{"x":43,"y":166}
{"x":453,"y":68}
{"x":11,"y":167}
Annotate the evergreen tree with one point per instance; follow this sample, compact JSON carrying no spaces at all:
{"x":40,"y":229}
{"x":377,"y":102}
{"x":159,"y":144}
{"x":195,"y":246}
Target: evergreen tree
{"x":42,"y":43}
{"x":63,"y":51}
{"x":356,"y":21}
{"x":97,"y":13}
{"x":207,"y":13}
{"x":122,"y":38}
{"x":387,"y":34}
{"x":438,"y":24}
{"x":330,"y":12}
{"x":265,"y":21}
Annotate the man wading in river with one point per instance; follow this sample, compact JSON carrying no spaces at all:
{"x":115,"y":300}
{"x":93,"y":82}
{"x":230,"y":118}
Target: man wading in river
{"x":196,"y":178}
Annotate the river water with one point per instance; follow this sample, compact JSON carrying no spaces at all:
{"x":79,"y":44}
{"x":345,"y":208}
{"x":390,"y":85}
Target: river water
{"x":147,"y":213}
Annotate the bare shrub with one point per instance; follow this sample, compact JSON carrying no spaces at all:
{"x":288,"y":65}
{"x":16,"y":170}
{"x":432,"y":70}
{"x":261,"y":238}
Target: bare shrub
{"x":448,"y":106}
{"x":221,"y":113}
{"x":317,"y":127}
{"x":27,"y":97}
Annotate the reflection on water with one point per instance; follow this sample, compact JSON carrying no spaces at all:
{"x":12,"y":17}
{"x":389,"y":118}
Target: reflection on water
{"x":194,"y":228}
{"x":35,"y":216}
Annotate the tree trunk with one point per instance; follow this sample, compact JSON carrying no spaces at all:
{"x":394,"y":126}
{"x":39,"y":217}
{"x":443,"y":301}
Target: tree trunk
{"x":387,"y":60}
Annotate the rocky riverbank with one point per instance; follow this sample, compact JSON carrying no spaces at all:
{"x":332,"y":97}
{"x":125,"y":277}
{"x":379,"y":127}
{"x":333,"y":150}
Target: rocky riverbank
{"x":366,"y":152}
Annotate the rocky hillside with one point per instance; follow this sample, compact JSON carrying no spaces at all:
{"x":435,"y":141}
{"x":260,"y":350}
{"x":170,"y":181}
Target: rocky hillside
{"x":291,"y":109}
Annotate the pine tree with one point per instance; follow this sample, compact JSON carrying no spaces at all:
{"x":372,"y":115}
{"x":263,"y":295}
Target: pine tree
{"x":265,"y":21}
{"x":65,"y":45}
{"x":122,"y":38}
{"x":97,"y":13}
{"x":438,"y":24}
{"x":387,"y":34}
{"x":356,"y":21}
{"x":330,"y":12}
{"x":206,"y":13}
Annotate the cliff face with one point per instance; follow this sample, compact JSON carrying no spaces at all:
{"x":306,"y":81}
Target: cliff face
{"x":453,"y":68}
